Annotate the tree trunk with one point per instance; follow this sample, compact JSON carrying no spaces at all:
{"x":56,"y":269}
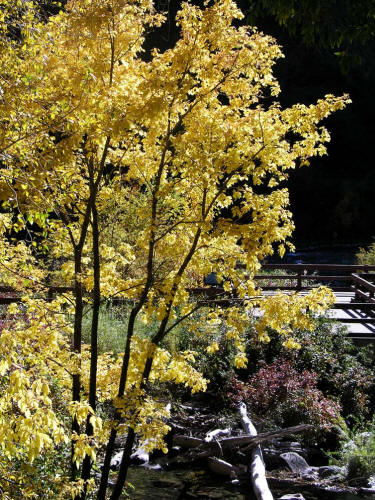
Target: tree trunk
{"x":87,"y":462}
{"x":125,"y":462}
{"x":77,"y":339}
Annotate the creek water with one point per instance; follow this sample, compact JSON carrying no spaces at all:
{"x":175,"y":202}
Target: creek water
{"x":179,"y":485}
{"x":197,"y":484}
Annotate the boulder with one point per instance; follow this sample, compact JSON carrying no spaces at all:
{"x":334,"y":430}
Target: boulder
{"x":296,"y":463}
{"x":271,"y":452}
{"x":327,"y":471}
{"x":116,"y":460}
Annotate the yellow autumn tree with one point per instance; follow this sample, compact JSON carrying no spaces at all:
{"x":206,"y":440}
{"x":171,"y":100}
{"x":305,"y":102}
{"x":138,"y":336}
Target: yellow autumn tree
{"x":134,"y":175}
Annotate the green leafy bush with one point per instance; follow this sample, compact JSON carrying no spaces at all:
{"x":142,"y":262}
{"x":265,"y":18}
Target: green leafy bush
{"x":366,"y":256}
{"x":358,"y":453}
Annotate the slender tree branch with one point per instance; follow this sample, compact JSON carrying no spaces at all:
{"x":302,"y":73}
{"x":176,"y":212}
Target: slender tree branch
{"x":182,"y":319}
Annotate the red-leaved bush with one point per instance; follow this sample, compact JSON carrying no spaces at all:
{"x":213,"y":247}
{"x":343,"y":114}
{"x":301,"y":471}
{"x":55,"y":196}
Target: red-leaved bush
{"x":280,"y":394}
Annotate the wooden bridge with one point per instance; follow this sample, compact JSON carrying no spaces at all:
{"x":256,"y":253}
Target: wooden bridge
{"x":353,"y":286}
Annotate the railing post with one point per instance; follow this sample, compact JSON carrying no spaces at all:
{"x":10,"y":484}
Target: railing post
{"x":299,"y":279}
{"x":355,"y":285}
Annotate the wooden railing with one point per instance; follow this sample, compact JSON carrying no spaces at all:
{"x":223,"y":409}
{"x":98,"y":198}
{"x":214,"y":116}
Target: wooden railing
{"x":306,"y":276}
{"x":357,"y":279}
{"x":354,"y":279}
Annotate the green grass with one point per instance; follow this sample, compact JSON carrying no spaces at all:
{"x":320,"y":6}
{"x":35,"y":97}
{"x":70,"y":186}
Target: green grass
{"x":111,"y":330}
{"x":113,"y":325}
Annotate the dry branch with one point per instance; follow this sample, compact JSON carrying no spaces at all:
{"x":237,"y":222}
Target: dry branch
{"x":213,"y":435}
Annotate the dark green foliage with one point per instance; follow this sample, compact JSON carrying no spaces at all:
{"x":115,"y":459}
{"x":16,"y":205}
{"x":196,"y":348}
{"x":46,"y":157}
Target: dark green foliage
{"x":366,"y":255}
{"x":343,"y":25}
{"x":344,"y":370}
{"x":358,"y":452}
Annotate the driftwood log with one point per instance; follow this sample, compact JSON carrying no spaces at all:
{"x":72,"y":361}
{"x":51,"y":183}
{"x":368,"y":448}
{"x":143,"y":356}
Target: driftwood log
{"x":223,"y":468}
{"x":257,"y":468}
{"x":187,"y":441}
{"x":245,"y":442}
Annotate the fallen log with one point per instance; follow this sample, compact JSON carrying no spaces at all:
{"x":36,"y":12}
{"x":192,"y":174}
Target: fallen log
{"x":187,"y":441}
{"x":223,"y":468}
{"x":257,"y":468}
{"x":248,"y":441}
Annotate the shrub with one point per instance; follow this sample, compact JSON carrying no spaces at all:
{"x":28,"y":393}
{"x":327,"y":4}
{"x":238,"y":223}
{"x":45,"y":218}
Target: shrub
{"x":343,"y":370}
{"x":279,"y":393}
{"x":358,"y":453}
{"x":366,"y":255}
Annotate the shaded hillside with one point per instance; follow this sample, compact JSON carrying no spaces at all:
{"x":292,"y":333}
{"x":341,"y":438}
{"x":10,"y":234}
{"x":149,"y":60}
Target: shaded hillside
{"x":331,"y":200}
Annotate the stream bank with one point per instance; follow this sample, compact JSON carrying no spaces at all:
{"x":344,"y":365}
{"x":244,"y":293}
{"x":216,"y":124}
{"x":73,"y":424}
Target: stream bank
{"x":180,"y":475}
